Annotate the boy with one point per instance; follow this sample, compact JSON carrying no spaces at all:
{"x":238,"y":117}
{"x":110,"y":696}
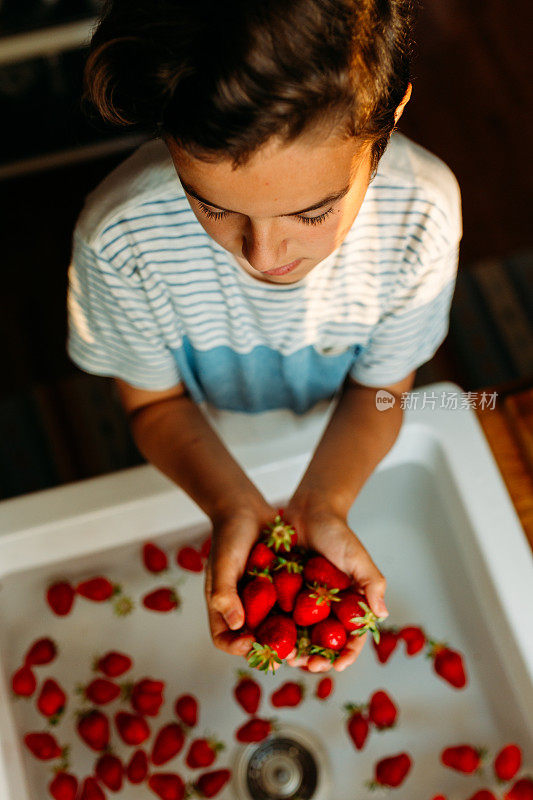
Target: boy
{"x":291,"y":261}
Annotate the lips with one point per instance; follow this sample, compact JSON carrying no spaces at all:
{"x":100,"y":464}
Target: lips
{"x":284,"y":269}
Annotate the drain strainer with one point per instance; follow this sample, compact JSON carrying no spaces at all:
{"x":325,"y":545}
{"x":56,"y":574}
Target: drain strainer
{"x":290,"y":765}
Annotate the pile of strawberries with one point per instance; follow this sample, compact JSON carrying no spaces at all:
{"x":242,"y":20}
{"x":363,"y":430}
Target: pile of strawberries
{"x":296,"y":600}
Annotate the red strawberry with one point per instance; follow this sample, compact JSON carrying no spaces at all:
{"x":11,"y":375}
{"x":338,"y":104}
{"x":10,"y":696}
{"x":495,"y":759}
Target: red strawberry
{"x":521,"y":790}
{"x":247,"y":693}
{"x":97,"y":589}
{"x":288,"y":695}
{"x":202,"y":753}
{"x":165,"y":599}
{"x":23,"y":682}
{"x":414,"y":638}
{"x":382,"y":711}
{"x":324,"y":688}
{"x":42,"y":745}
{"x":462,"y":757}
{"x":392,"y":771}
{"x":388,"y":639}
{"x":357,"y":725}
{"x":91,"y":791}
{"x":60,"y":597}
{"x":508,"y":762}
{"x":110,"y":771}
{"x":64,"y":786}
{"x":93,"y":727}
{"x":154,"y":559}
{"x":137,"y":769}
{"x":190,"y":559}
{"x":255,"y":730}
{"x":51,"y":701}
{"x":168,"y":743}
{"x":114,"y":664}
{"x":146,"y":696}
{"x":439,"y":797}
{"x":448,"y":664}
{"x":327,"y":638}
{"x":276,"y":639}
{"x":205,"y":549}
{"x":43,"y":651}
{"x":186,"y":708}
{"x":483,"y":794}
{"x":167,"y":785}
{"x":258,"y":597}
{"x":280,"y":535}
{"x":354,"y":613}
{"x":320,"y":570}
{"x":132,"y":728}
{"x":260,"y":558}
{"x":211,"y":783}
{"x":100,"y":691}
{"x":313,"y":605}
{"x":288,"y":581}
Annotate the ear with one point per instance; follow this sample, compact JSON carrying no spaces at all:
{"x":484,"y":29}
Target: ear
{"x":407,"y":96}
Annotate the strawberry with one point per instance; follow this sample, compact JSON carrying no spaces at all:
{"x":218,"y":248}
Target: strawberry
{"x":91,"y":791}
{"x":63,"y":787}
{"x":211,"y":783}
{"x":168,"y":743}
{"x":23,"y":682}
{"x":327,"y":638}
{"x":521,"y":790}
{"x":382,"y":711}
{"x":276,"y":638}
{"x":93,"y":727}
{"x":261,"y":558}
{"x":414,"y":638}
{"x":100,"y":691}
{"x":258,"y":597}
{"x":97,"y":589}
{"x":354,"y":613}
{"x":313,"y":605}
{"x":190,"y":559}
{"x":357,"y":724}
{"x":448,"y":664}
{"x":110,"y":771}
{"x":255,"y":730}
{"x":247,"y":693}
{"x":146,"y":696}
{"x":164,"y":599}
{"x":483,"y":794}
{"x":205,"y":549}
{"x":202,"y":753}
{"x":43,"y":651}
{"x":113,"y":664}
{"x":154,"y":559}
{"x":320,"y":570}
{"x":43,"y":746}
{"x":507,"y":762}
{"x":288,"y":581}
{"x":388,"y":639}
{"x":280,"y":535}
{"x":132,"y":728}
{"x":60,"y":597}
{"x":462,"y":757}
{"x":137,"y":769}
{"x":392,"y":771}
{"x":186,"y":708}
{"x":439,"y":797}
{"x":167,"y":785}
{"x":289,"y":695}
{"x":51,"y":701}
{"x":324,"y":688}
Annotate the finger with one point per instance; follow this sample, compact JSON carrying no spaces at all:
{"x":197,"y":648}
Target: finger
{"x":374,"y":584}
{"x":298,"y":661}
{"x":350,"y":653}
{"x":237,"y":644}
{"x":319,"y":664}
{"x":224,"y":598}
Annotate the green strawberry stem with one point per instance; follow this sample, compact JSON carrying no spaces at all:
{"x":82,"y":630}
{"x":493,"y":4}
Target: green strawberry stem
{"x":263,"y":657}
{"x":368,"y":623}
{"x":325,"y":652}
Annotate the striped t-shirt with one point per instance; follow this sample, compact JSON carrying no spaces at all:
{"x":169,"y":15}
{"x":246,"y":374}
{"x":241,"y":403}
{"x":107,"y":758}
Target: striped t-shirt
{"x":154,"y":300}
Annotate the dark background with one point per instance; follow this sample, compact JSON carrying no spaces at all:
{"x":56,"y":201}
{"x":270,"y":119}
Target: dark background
{"x":471,"y":105}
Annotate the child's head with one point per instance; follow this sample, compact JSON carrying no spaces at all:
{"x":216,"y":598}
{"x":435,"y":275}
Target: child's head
{"x":267,"y":106}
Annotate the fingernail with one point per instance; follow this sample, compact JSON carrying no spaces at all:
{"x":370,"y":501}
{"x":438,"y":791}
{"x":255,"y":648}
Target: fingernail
{"x":233,"y":620}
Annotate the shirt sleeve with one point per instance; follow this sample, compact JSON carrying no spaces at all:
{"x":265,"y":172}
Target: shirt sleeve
{"x":112,"y":330}
{"x":414,"y":324}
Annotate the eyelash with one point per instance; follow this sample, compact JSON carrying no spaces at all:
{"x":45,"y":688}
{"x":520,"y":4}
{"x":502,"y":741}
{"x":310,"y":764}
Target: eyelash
{"x":218,"y":215}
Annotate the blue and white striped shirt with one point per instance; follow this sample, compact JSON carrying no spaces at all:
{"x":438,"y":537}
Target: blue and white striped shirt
{"x":155,"y":301}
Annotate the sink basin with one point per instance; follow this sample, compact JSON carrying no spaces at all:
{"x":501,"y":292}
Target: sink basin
{"x":436,"y":518}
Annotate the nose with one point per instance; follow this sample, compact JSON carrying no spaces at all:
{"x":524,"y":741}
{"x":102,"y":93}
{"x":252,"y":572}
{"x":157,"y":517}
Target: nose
{"x":263,"y":245}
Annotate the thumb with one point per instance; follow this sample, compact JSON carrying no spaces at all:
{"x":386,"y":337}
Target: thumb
{"x":374,"y":590}
{"x":224,"y":597}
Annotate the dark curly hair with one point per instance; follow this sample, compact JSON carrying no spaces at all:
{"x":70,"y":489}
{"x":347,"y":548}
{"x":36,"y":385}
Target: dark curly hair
{"x":222,"y":78}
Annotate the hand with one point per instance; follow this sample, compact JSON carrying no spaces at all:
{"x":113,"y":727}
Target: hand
{"x":322,"y":529}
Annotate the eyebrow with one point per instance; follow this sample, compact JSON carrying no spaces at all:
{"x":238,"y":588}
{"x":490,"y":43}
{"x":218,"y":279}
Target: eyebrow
{"x":331,"y":198}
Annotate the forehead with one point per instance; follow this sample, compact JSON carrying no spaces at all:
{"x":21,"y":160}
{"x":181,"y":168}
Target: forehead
{"x":278,"y":178}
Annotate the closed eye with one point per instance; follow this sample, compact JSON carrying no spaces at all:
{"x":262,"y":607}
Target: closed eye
{"x":218,"y":215}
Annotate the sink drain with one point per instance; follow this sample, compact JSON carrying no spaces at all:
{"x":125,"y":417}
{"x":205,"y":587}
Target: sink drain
{"x":290,"y":765}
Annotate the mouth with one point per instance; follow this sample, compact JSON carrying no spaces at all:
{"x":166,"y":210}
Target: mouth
{"x":284,"y":269}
